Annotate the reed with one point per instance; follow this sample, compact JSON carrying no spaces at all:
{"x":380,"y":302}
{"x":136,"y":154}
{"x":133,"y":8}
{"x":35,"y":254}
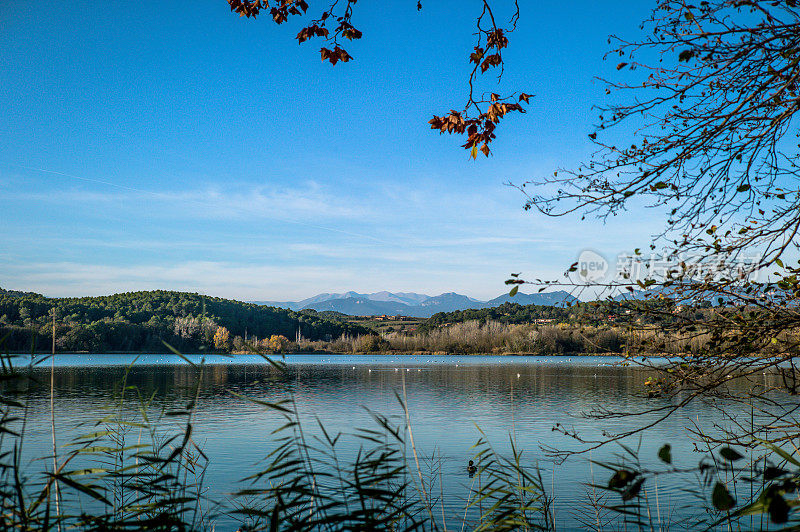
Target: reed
{"x":140,"y":469}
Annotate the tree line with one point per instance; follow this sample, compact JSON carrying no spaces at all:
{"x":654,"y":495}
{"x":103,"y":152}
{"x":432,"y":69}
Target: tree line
{"x":143,"y":321}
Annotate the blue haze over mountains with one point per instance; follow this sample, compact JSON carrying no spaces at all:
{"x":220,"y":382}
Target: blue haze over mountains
{"x":413,"y":304}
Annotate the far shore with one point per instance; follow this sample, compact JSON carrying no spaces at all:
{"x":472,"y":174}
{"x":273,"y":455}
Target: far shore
{"x":323,"y":353}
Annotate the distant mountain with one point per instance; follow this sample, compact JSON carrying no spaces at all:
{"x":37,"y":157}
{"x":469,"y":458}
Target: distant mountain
{"x":405,"y":298}
{"x":413,"y":304}
{"x":359,"y":306}
{"x":447,"y":303}
{"x":636,"y":295}
{"x":559,"y":298}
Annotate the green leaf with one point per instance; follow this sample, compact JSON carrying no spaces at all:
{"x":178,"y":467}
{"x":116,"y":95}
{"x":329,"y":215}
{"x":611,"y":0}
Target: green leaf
{"x":621,"y":478}
{"x":743,"y":188}
{"x":785,"y":455}
{"x":85,"y":488}
{"x":665,"y":453}
{"x":721,"y":498}
{"x":474,"y":151}
{"x":729,"y":454}
{"x":778,"y":509}
{"x":514,"y":291}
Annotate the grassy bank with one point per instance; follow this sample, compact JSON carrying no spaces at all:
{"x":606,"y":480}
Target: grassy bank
{"x":477,"y":338}
{"x":495,"y":338}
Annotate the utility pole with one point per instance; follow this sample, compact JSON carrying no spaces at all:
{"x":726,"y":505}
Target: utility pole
{"x":53,"y":420}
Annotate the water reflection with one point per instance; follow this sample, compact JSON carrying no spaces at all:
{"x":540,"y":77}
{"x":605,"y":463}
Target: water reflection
{"x":450,"y":399}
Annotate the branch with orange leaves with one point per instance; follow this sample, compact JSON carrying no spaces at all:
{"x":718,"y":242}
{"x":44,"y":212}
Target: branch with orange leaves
{"x":480,"y":116}
{"x":478,"y":120}
{"x":281,"y":10}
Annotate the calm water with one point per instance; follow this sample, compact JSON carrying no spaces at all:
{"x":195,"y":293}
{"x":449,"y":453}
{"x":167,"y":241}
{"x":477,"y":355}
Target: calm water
{"x":450,"y":398}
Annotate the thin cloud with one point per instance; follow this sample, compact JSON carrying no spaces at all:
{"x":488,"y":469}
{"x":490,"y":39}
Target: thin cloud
{"x":249,"y":282}
{"x":305,"y":206}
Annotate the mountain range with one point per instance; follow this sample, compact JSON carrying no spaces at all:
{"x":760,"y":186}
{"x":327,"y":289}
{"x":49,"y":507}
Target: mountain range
{"x":413,"y":304}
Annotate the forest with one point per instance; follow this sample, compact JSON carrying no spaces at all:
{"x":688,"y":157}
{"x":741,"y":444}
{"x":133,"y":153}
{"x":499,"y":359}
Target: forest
{"x":149,"y":320}
{"x":143,"y":321}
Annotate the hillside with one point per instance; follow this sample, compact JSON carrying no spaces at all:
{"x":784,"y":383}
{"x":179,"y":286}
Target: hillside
{"x":559,"y":298}
{"x":510,"y":313}
{"x":139,"y":321}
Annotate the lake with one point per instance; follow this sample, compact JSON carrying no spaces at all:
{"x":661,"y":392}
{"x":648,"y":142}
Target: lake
{"x":451,"y":399}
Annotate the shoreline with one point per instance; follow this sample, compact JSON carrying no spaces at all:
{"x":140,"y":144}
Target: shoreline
{"x":325,"y":353}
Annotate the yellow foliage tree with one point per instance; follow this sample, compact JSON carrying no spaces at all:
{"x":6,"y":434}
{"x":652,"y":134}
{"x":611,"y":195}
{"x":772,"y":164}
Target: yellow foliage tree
{"x":221,"y":338}
{"x":278,"y":342}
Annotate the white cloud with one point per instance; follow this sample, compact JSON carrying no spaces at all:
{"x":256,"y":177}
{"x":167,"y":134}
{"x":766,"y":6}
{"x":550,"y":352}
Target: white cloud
{"x":213,"y":278}
{"x":250,"y":282}
{"x":308,"y":200}
{"x":289,"y":242}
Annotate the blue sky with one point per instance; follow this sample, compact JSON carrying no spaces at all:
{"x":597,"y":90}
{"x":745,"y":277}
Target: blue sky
{"x":185,"y":148}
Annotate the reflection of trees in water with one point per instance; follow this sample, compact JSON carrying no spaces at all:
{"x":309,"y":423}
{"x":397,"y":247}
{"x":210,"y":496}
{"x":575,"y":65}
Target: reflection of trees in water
{"x":543,"y":394}
{"x":582,"y":387}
